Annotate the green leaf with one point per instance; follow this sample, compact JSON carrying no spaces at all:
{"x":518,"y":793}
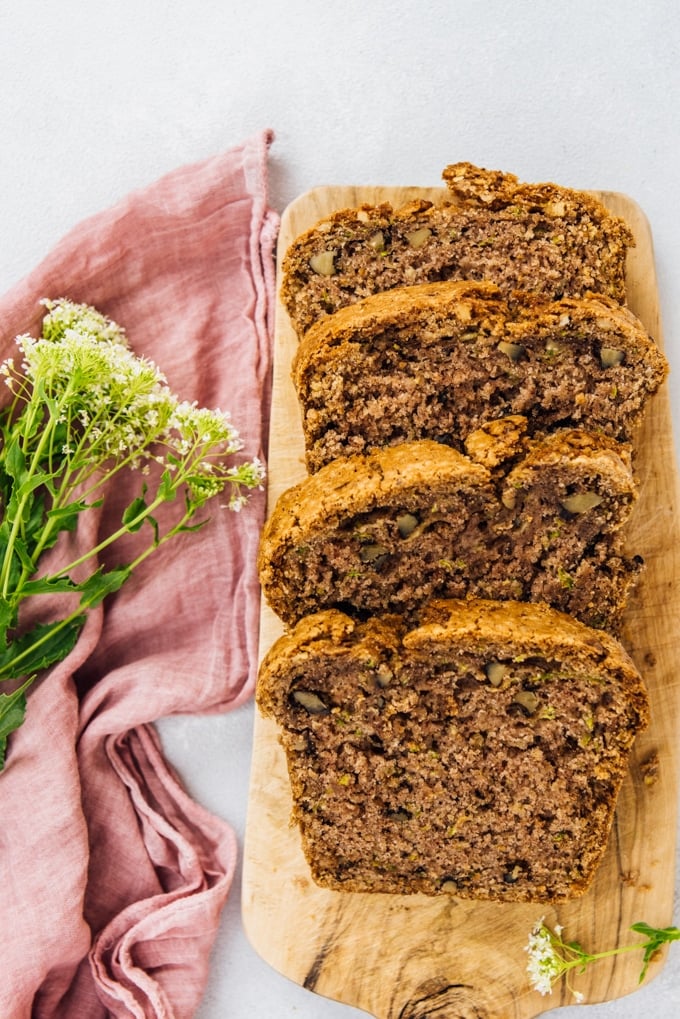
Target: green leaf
{"x":67,"y":516}
{"x":7,"y":619}
{"x":191,"y":528}
{"x":35,"y":519}
{"x":23,"y":555}
{"x":136,"y":515}
{"x":49,"y":585}
{"x":24,"y":482}
{"x":156,"y":530}
{"x":167,"y":490}
{"x":133,"y":517}
{"x":28,"y":484}
{"x":100,"y":584}
{"x":41,"y":647}
{"x":665,"y":933}
{"x":656,"y":937}
{"x":12,"y":714}
{"x":15,"y":461}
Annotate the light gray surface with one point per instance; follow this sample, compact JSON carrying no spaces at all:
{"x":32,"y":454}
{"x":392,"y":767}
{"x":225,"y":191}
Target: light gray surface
{"x":99,"y":98}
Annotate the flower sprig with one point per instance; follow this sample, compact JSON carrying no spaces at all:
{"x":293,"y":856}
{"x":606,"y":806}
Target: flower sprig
{"x":552,"y":959}
{"x":83,"y":408}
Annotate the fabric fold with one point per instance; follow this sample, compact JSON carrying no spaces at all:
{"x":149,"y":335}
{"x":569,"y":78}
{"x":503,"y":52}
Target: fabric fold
{"x":115,"y":878}
{"x":194,"y":858}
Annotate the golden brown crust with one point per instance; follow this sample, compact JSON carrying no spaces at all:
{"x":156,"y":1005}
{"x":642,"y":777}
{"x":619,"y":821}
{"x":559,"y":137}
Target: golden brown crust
{"x":505,"y":629}
{"x":605,"y":314}
{"x":357,"y":485}
{"x":495,"y":189}
{"x":432,"y":305}
{"x":328,"y":632}
{"x":491,"y":628}
{"x":385,"y":530}
{"x":534,"y":237}
{"x":587,"y":454}
{"x":582,"y":362}
{"x":497,"y":441}
{"x":332,"y":682}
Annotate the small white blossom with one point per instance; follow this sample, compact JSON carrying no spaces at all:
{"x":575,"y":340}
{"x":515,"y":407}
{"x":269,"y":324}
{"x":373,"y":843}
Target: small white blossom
{"x":551,"y":958}
{"x":85,"y":407}
{"x":544,"y":965}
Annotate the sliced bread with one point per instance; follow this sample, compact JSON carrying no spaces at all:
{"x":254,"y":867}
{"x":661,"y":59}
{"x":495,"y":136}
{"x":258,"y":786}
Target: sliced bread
{"x":478,"y":754}
{"x":384,"y":532}
{"x":439,"y":360}
{"x":539,"y":238}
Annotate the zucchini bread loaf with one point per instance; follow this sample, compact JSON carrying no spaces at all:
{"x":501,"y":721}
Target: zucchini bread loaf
{"x":539,"y":238}
{"x":438,"y":360}
{"x":479,"y":754}
{"x":384,"y":532}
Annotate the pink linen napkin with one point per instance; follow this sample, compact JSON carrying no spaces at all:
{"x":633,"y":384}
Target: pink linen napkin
{"x":112,"y":877}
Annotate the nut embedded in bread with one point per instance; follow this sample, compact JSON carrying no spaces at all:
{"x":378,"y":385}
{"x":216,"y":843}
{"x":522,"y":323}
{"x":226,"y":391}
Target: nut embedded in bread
{"x":439,"y":360}
{"x":539,"y":238}
{"x":479,"y":754}
{"x":384,"y":532}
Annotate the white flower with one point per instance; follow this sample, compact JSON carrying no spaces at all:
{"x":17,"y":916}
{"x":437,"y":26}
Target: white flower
{"x":84,"y":408}
{"x":544,"y":965}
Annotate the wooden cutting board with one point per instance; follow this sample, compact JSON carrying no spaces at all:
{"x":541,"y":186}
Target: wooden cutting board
{"x":409,"y":957}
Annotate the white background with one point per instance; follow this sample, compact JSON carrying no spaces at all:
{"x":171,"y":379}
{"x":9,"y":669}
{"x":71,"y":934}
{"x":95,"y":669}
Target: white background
{"x":99,"y":98}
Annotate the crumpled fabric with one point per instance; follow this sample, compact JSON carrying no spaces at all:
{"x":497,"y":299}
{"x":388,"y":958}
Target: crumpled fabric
{"x":112,"y":878}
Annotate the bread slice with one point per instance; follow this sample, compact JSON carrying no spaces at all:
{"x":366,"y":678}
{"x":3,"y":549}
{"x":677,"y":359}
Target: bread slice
{"x":479,"y":754}
{"x":540,"y":238}
{"x":383,"y":532}
{"x":439,"y":360}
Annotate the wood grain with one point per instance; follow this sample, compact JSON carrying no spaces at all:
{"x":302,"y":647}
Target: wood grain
{"x":409,"y":957}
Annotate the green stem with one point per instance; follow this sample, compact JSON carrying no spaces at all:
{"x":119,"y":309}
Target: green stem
{"x":150,"y":549}
{"x":111,"y":538}
{"x":86,"y":604}
{"x":88,"y":464}
{"x":16,"y":694}
{"x":586,"y":959}
{"x":38,"y":643}
{"x":19,"y":517}
{"x":579,"y":959}
{"x":65,"y":486}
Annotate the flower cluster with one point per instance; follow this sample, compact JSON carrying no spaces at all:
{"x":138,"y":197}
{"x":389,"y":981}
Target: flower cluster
{"x":84,"y":407}
{"x":551,"y":958}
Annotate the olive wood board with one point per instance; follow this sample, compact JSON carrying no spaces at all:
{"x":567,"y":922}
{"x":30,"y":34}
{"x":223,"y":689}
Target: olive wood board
{"x":414,"y":956}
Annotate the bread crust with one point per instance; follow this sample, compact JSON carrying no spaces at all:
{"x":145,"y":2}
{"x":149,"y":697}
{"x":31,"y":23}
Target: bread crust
{"x":437,"y":305}
{"x":322,"y":500}
{"x":384,"y":531}
{"x":533,"y":237}
{"x":373,"y":680}
{"x":448,"y":357}
{"x":489,"y":627}
{"x":473,"y":185}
